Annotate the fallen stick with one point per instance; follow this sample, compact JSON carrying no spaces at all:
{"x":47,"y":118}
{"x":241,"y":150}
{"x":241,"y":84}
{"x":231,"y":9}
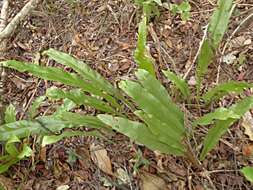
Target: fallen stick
{"x":7,"y":31}
{"x":3,"y":21}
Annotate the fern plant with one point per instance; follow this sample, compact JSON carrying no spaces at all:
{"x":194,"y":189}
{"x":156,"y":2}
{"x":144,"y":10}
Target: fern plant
{"x":159,"y":123}
{"x":47,"y":127}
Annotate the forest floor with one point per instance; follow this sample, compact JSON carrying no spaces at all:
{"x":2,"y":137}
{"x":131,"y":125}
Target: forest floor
{"x":103,"y":33}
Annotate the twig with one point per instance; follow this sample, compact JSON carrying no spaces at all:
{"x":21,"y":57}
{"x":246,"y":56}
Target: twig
{"x":197,"y":54}
{"x":229,"y":40}
{"x":3,"y":18}
{"x":18,"y":18}
{"x":156,"y":42}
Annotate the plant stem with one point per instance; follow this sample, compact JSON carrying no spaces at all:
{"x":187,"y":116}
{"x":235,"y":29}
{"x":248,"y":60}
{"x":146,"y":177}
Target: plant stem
{"x":192,"y":158}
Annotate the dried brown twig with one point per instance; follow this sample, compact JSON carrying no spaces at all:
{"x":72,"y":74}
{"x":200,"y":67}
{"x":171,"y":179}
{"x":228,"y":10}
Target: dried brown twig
{"x":5,"y":32}
{"x":8,"y":30}
{"x":3,"y":19}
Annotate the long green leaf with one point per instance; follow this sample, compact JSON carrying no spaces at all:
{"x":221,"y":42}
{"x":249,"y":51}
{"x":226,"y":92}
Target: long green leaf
{"x":55,"y":138}
{"x":220,"y":127}
{"x":149,"y":98}
{"x":82,"y":120}
{"x":219,"y":21}
{"x":13,"y":154}
{"x":10,"y":147}
{"x":67,"y":105}
{"x":94,"y":79}
{"x":82,"y":68}
{"x":248,"y":173}
{"x":32,"y":112}
{"x":218,"y":114}
{"x":79,"y":98}
{"x":153,"y":86}
{"x":53,"y":74}
{"x":10,"y":114}
{"x":160,"y":130}
{"x":148,"y":103}
{"x":224,"y":89}
{"x":179,"y":83}
{"x":205,"y":56}
{"x":25,"y":128}
{"x":139,"y":133}
{"x":141,"y":54}
{"x":216,"y":30}
{"x":156,"y":89}
{"x":47,"y":125}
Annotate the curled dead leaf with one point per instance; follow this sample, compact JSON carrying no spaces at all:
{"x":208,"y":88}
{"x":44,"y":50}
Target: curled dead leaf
{"x":123,"y":176}
{"x":63,"y":187}
{"x":43,"y":154}
{"x":100,"y":157}
{"x":152,"y":182}
{"x":247,"y":150}
{"x":247,"y":123}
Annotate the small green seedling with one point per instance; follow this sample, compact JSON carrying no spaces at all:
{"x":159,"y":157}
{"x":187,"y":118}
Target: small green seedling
{"x":183,"y":9}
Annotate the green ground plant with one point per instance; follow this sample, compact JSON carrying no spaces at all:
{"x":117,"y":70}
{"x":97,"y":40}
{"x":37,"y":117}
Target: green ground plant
{"x":248,"y":173}
{"x":150,"y":8}
{"x":155,"y":120}
{"x":183,"y":9}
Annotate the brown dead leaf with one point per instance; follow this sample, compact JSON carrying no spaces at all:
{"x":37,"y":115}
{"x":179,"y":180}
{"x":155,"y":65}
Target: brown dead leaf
{"x":123,"y":45}
{"x":240,"y":41}
{"x":123,"y":176}
{"x":84,"y":159}
{"x":6,"y":183}
{"x":62,"y":187}
{"x":125,"y":64}
{"x":113,"y":67}
{"x":152,"y":182}
{"x":101,"y":159}
{"x":19,"y":84}
{"x":43,"y":154}
{"x":247,"y":123}
{"x":199,"y":187}
{"x":247,"y":150}
{"x":81,"y":175}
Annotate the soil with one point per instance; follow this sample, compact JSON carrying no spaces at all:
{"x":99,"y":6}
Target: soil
{"x":104,"y":34}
